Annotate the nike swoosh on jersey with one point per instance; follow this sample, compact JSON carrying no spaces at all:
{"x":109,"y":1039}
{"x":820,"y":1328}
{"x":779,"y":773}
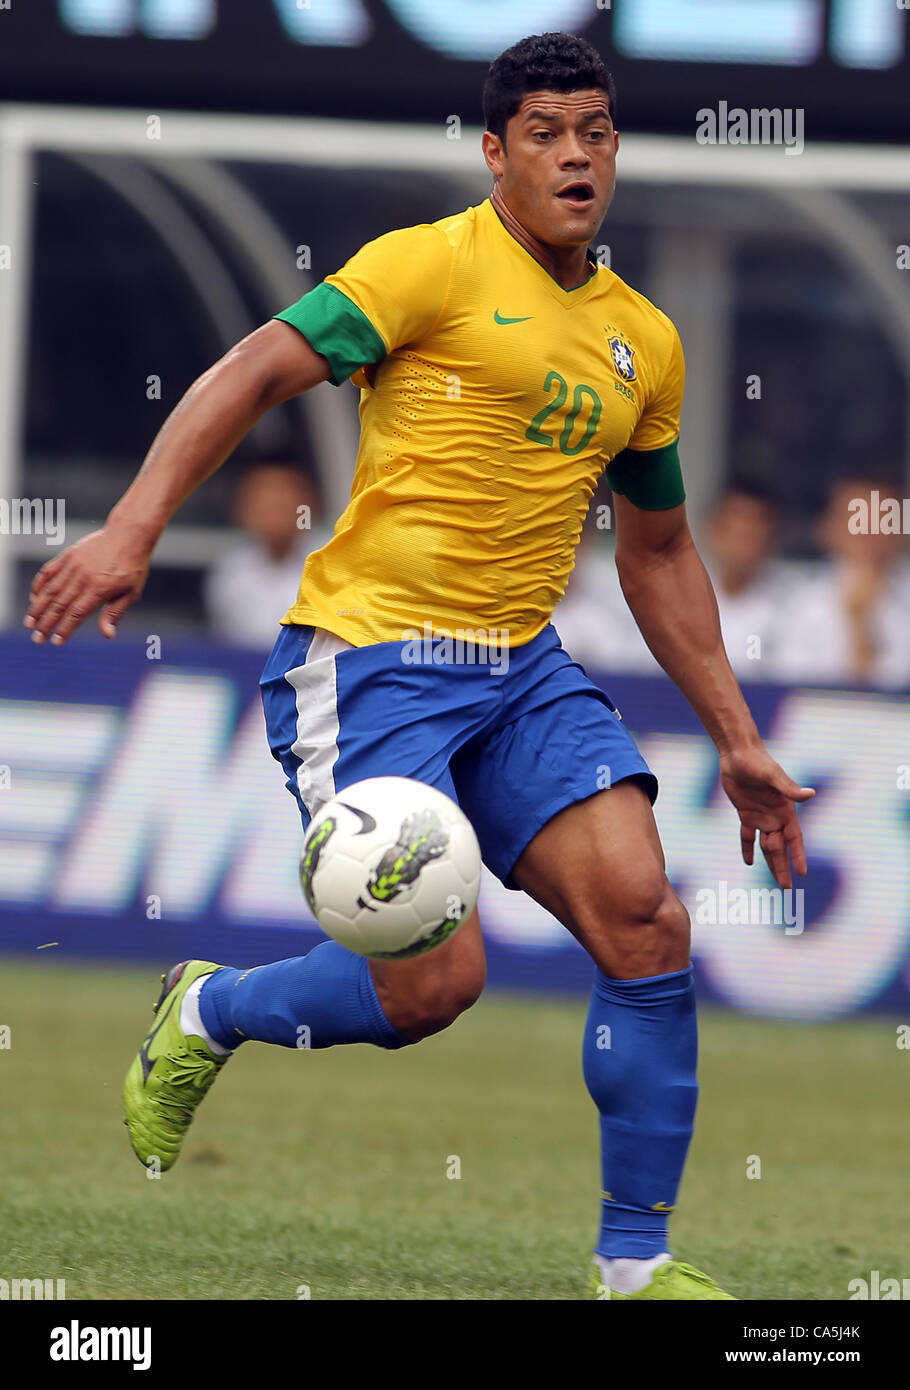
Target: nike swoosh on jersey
{"x":497,"y":318}
{"x":147,"y":1064}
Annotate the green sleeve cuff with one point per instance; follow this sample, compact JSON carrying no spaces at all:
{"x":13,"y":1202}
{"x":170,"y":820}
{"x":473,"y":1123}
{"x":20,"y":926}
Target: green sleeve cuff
{"x":650,"y":478}
{"x":334,"y":326}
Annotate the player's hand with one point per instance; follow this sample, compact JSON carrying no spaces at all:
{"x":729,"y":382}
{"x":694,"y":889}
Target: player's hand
{"x":105,"y":570}
{"x":765,"y":798}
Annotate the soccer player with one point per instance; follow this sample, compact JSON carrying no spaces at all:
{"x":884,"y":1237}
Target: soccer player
{"x":502,"y":370}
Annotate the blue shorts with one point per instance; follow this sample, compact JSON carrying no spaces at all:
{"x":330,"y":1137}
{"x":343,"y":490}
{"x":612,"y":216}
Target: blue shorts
{"x":513,"y":738}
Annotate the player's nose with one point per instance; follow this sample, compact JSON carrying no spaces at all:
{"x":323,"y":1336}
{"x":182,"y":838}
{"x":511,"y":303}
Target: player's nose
{"x":574,"y":156}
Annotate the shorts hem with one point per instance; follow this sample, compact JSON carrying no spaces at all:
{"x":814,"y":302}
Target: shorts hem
{"x":570,"y":797}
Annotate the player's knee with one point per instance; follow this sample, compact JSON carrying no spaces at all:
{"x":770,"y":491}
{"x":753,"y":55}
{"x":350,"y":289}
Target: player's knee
{"x":440,"y":998}
{"x":645,"y":931}
{"x":652,"y":905}
{"x":656,"y":936}
{"x":672,"y":919}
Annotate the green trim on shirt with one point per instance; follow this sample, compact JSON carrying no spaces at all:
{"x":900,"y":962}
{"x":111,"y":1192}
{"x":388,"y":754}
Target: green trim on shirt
{"x":650,"y":478}
{"x":334,"y":326}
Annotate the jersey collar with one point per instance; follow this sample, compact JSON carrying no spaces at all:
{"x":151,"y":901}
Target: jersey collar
{"x":568,"y":298}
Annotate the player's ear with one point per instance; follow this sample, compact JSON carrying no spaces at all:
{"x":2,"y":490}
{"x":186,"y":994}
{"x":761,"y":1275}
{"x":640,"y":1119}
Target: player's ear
{"x":493,"y":153}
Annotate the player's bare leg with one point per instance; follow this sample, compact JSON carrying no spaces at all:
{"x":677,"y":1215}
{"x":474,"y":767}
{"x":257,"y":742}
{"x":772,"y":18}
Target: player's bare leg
{"x":599,"y":868}
{"x":424,"y":995}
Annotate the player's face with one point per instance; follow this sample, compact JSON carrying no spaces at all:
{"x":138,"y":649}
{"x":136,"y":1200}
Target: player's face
{"x":741,"y":532}
{"x":268,"y":503}
{"x":558,"y":171}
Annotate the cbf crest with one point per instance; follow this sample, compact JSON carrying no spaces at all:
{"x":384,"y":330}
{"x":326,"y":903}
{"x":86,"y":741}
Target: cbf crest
{"x":623,"y":358}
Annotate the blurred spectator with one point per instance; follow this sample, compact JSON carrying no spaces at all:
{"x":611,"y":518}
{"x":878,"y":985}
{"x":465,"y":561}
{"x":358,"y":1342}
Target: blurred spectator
{"x":850,"y":621}
{"x":597,"y":628}
{"x":249,"y":590}
{"x":751,"y":584}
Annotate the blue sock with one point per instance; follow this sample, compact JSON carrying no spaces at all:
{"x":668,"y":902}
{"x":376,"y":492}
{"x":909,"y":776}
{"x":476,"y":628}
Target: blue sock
{"x":317,"y":1000}
{"x":639,"y":1059}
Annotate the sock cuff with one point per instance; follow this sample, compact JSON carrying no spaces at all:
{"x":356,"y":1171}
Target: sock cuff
{"x":652,"y":989}
{"x":211,"y":1014}
{"x":363,"y":993}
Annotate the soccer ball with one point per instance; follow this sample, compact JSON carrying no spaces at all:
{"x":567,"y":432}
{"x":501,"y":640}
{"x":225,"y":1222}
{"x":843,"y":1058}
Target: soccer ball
{"x":390,"y":868}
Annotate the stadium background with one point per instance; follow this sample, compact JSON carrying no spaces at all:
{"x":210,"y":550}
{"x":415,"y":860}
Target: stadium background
{"x":171,"y":174}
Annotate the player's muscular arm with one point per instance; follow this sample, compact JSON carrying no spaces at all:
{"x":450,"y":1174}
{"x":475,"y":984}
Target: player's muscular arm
{"x":672,"y":600}
{"x":108,"y":568}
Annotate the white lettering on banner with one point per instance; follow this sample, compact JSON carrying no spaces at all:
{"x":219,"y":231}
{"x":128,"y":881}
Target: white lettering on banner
{"x":343,"y":23}
{"x":764,"y":31}
{"x":185,"y":807}
{"x":159,"y":19}
{"x":862,"y":33}
{"x":858,"y":827}
{"x":868,"y":33}
{"x":174,"y":746}
{"x":477,"y":29}
{"x":263,"y":880}
{"x":85,"y":732}
{"x":54,"y":747}
{"x":45,"y":803}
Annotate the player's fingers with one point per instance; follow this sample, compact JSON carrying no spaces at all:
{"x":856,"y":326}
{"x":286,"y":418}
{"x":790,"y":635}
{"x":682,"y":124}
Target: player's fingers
{"x":44,"y":576}
{"x":40,"y":602}
{"x":71,"y":619}
{"x":792,"y":790}
{"x":774,"y":848}
{"x":794,"y":837}
{"x":111,"y":614}
{"x":78,"y":607}
{"x":747,"y":841}
{"x":52,"y":606}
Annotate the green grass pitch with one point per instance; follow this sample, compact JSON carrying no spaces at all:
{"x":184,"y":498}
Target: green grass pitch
{"x":328,"y":1171}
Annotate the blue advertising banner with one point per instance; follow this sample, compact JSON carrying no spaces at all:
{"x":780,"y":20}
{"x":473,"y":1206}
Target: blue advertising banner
{"x":141,"y":816}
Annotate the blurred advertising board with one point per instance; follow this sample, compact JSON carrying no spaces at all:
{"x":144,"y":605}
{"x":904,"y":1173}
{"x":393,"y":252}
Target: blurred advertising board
{"x":142,"y":817}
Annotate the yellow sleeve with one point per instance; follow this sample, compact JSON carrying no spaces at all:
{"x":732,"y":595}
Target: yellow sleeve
{"x":400,"y":282}
{"x":659,"y":423}
{"x":390,"y":293}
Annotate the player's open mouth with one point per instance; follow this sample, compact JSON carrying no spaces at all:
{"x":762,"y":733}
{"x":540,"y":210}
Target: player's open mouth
{"x":579,"y":195}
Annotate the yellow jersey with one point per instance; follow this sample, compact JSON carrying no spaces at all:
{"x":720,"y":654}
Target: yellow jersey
{"x":492,"y":400}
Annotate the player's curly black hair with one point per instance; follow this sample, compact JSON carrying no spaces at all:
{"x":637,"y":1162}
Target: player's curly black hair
{"x":551,"y":62}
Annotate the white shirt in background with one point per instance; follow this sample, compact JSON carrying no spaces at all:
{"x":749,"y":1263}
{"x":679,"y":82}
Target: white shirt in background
{"x":594,"y":622}
{"x":751,"y":621}
{"x":597,"y":627}
{"x":815,"y":640}
{"x":247,"y":593}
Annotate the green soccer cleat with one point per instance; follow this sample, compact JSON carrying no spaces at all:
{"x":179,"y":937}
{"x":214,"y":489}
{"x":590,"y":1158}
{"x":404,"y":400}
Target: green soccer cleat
{"x":170,"y":1075}
{"x":672,"y":1280}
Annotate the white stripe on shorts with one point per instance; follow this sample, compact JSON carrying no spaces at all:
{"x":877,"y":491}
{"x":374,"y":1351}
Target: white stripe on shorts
{"x":317,"y":718}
